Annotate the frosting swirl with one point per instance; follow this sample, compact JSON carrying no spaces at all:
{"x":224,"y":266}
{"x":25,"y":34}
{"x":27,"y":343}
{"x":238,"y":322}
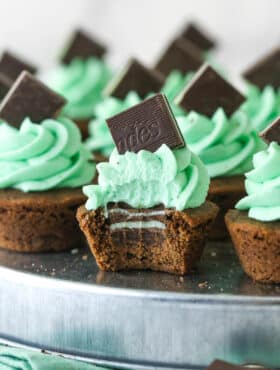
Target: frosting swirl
{"x":175,"y":83}
{"x":100,"y":139}
{"x":225,"y":146}
{"x":175,"y":178}
{"x":81,"y":82}
{"x":42,"y":157}
{"x":262,"y":106}
{"x":263,"y":186}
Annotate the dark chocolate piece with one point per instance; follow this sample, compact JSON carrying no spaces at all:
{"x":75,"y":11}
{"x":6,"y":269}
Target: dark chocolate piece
{"x":29,"y":97}
{"x":272,"y":132}
{"x":266,"y":71}
{"x":147,"y":125}
{"x":5,"y":84}
{"x":11,"y":66}
{"x":223,"y":365}
{"x":196,"y":36}
{"x":129,"y":236}
{"x":134,"y":77}
{"x":83,"y":46}
{"x":180,"y":55}
{"x":207,"y":92}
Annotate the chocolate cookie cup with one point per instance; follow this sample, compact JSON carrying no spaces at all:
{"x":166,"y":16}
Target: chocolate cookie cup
{"x":257,"y":245}
{"x":148,"y":210}
{"x":40,"y":222}
{"x":218,"y":131}
{"x":43,"y":167}
{"x":175,"y":247}
{"x":255,"y":225}
{"x":225,"y":192}
{"x":83,"y":125}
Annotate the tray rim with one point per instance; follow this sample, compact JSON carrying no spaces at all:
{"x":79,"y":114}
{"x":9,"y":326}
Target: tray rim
{"x":165,"y":296}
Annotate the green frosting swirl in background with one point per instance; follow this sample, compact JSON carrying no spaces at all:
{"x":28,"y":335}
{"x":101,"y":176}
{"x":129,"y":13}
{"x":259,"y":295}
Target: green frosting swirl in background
{"x":175,"y":178}
{"x":81,"y":82}
{"x":100,"y":139}
{"x":39,"y":157}
{"x":175,"y":83}
{"x":226,"y":146}
{"x":262,"y":106}
{"x":263,"y":186}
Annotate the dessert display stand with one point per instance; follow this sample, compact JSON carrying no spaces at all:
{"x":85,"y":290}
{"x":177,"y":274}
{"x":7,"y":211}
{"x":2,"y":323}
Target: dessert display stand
{"x":63,"y":303}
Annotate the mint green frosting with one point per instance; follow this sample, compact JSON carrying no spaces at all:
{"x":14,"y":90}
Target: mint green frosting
{"x":175,"y":83}
{"x":100,"y":139}
{"x":225,"y":145}
{"x":263,"y":186}
{"x":81,"y":82}
{"x":175,"y":178}
{"x":39,"y":157}
{"x":262,"y":106}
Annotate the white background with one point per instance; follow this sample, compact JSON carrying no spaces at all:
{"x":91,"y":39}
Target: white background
{"x":37,"y":29}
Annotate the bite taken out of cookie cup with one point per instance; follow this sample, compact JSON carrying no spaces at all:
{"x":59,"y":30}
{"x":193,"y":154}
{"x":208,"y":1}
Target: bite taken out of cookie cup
{"x":159,"y":239}
{"x":257,"y":245}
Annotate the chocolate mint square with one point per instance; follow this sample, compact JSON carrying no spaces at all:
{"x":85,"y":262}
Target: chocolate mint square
{"x":134,"y":77}
{"x":147,"y":126}
{"x":83,"y":46}
{"x":266,"y":71}
{"x":29,"y":97}
{"x":5,"y":84}
{"x":207,"y":92}
{"x":180,"y":55}
{"x":12,"y":66}
{"x":272,"y":132}
{"x":196,"y":36}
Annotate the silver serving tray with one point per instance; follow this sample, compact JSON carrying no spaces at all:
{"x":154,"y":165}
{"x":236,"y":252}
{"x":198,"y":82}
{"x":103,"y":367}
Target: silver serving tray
{"x":62,"y":303}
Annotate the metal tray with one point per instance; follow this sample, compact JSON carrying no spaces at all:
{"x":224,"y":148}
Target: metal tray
{"x":63,"y":303}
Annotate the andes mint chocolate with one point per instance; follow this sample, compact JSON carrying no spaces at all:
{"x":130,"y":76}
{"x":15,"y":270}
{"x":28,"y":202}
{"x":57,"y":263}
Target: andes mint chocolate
{"x":272,"y":132}
{"x":134,"y":77}
{"x":266,"y":71}
{"x":222,"y":365}
{"x":126,"y":236}
{"x":147,"y":125}
{"x":11,"y":66}
{"x":196,"y":36}
{"x":5,"y":84}
{"x":83,"y":46}
{"x":29,"y":97}
{"x":207,"y":92}
{"x":180,"y":55}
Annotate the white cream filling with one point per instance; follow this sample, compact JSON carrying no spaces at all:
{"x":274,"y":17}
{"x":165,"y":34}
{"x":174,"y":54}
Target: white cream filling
{"x":136,"y":214}
{"x":138,"y":225}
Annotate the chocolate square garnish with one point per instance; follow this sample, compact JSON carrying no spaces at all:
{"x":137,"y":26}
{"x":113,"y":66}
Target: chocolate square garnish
{"x":266,"y":71}
{"x":11,"y":66}
{"x":83,"y":46}
{"x":5,"y":84}
{"x":29,"y":97}
{"x":272,"y":132}
{"x":207,"y":92}
{"x":134,"y":77}
{"x":180,"y":55}
{"x":196,"y":36}
{"x":147,"y":126}
{"x":223,"y":365}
